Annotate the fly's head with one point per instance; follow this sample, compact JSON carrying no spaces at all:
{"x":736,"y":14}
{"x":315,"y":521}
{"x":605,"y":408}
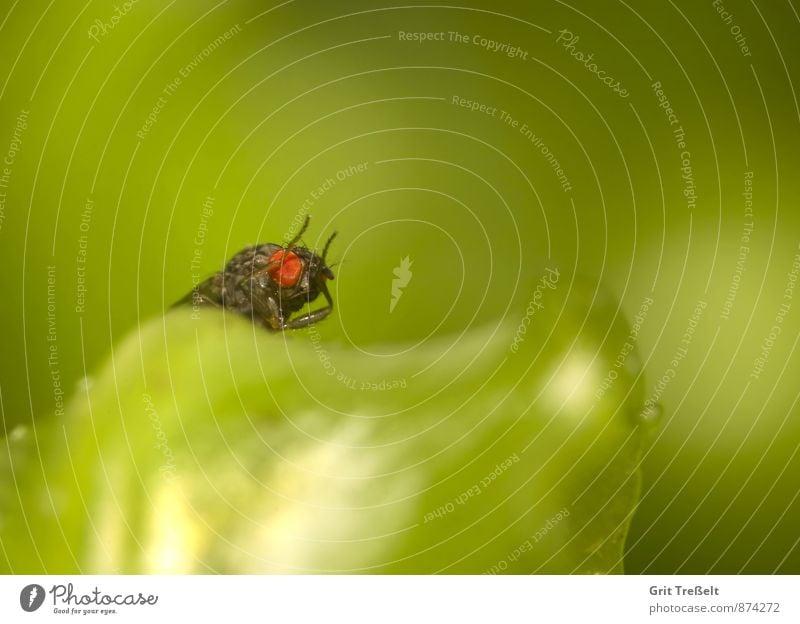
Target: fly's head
{"x":286,"y":278}
{"x":298,"y":274}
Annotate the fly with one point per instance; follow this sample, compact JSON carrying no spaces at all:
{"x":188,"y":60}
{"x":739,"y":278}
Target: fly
{"x":269,"y":283}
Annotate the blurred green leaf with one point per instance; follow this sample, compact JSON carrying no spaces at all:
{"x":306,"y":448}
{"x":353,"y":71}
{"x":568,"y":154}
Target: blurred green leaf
{"x":208,"y":444}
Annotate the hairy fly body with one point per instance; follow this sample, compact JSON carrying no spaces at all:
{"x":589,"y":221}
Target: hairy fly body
{"x":269,"y":283}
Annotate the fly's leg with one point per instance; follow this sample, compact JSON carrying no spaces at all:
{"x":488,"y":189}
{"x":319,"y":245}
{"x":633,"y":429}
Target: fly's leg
{"x":312,"y":317}
{"x":262,"y":306}
{"x":267,"y":311}
{"x":308,"y":319}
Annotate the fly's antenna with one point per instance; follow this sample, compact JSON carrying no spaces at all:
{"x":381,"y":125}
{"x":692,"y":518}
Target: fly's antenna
{"x":327,"y":246}
{"x":299,"y":235}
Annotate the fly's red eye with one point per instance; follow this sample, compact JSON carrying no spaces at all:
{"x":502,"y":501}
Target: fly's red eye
{"x":285,"y":268}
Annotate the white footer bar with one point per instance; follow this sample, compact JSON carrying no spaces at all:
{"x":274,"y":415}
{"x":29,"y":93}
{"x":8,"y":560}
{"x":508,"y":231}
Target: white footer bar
{"x":401,"y":599}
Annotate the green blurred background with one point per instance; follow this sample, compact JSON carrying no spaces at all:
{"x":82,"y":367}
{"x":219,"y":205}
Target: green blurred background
{"x":146,"y":142}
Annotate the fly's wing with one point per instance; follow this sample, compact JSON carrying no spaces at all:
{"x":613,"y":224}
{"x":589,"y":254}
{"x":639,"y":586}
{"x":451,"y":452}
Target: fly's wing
{"x":208,"y":292}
